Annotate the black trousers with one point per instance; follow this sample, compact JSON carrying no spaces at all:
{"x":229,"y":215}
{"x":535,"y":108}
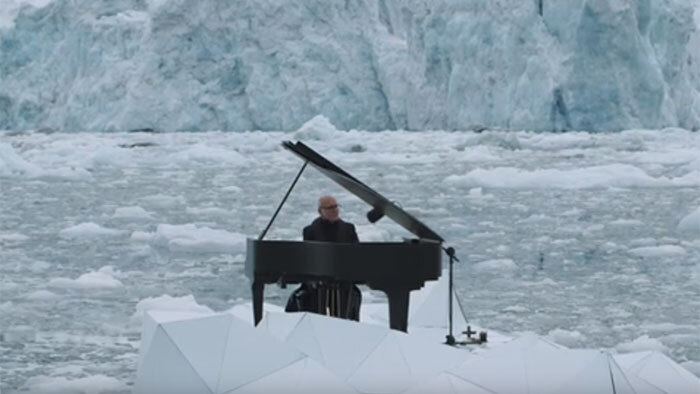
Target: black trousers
{"x":335,"y":299}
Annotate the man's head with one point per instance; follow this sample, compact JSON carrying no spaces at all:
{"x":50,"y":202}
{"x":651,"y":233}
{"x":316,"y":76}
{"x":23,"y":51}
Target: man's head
{"x":328,"y":208}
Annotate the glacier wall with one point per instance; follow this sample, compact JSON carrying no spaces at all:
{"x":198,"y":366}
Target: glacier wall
{"x":171,"y":65}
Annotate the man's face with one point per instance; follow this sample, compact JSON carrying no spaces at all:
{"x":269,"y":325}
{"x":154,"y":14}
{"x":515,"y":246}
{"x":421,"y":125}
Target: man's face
{"x":328,"y":208}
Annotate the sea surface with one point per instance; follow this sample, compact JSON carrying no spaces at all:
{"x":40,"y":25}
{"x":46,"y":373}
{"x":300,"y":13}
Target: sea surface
{"x":574,"y":236}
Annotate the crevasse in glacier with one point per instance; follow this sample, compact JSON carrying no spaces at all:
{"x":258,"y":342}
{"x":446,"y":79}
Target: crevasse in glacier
{"x":365,"y":64}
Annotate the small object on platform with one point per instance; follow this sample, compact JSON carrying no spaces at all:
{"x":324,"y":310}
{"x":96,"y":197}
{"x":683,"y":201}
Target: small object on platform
{"x":483,"y":336}
{"x":471,"y":340}
{"x":469,"y":332}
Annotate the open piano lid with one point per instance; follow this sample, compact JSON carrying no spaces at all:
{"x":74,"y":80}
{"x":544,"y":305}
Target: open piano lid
{"x":364,"y":192}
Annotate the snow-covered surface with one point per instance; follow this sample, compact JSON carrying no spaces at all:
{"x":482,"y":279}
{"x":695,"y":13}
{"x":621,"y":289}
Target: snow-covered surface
{"x":174,"y":65}
{"x":601,"y":266}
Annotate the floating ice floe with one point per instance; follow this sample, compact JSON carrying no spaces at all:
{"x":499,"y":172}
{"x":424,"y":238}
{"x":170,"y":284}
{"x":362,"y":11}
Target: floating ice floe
{"x":594,"y":177}
{"x":643,"y":343}
{"x":12,"y":237}
{"x":132,"y":213}
{"x":496,"y":265}
{"x":41,"y":295}
{"x":60,"y":385}
{"x":88,"y":230}
{"x":659,"y":251}
{"x":168,"y":303}
{"x":13,"y":165}
{"x":201,"y":152}
{"x":191,"y":238}
{"x":100,"y":279}
{"x":163,"y":201}
{"x":317,"y":128}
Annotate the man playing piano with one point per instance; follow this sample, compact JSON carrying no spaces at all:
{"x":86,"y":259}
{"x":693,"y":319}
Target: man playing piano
{"x":342,"y":300}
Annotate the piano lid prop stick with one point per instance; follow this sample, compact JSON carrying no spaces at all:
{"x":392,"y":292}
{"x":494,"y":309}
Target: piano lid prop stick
{"x":262,"y":235}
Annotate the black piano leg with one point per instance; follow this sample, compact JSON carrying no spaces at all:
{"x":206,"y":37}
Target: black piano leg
{"x":258,"y":290}
{"x":398,"y":309}
{"x":346,"y":300}
{"x":322,"y":306}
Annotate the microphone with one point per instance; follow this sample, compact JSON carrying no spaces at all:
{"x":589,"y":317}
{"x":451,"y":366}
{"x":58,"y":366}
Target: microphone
{"x":375,"y":214}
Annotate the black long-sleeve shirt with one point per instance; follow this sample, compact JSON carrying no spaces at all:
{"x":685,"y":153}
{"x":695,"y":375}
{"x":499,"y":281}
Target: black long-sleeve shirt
{"x":323,"y":230}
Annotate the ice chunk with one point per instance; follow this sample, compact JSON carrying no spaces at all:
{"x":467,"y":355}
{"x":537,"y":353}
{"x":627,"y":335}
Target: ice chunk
{"x":659,"y":251}
{"x":318,"y":128}
{"x":190,"y":238}
{"x":100,"y":279}
{"x":132,"y":213}
{"x":88,"y":230}
{"x":93,"y":384}
{"x":642,"y":343}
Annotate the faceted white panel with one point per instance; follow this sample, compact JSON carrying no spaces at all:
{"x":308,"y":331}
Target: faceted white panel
{"x":659,"y":371}
{"x":304,"y":338}
{"x":244,"y":311}
{"x":464,"y":387}
{"x":222,"y":354}
{"x":549,"y":370}
{"x":280,"y":324}
{"x":619,"y":377}
{"x":165,"y":370}
{"x":202,"y":341}
{"x":499,"y":374}
{"x":304,"y":376}
{"x":600,"y":375}
{"x":449,"y":384}
{"x":384,"y":371}
{"x":343,"y":343}
{"x":427,"y":359}
{"x":250,"y":353}
{"x":148,"y":330}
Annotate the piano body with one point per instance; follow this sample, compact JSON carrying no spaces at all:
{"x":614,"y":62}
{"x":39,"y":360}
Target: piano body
{"x":396,"y":268}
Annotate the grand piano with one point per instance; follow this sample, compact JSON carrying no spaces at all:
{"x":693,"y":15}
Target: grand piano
{"x":396,"y":268}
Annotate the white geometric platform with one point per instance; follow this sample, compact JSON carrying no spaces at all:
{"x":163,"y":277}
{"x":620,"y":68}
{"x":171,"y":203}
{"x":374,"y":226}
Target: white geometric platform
{"x":186,"y":352}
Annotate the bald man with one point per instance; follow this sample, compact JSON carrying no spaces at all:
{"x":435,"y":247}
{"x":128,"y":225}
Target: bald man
{"x":328,"y":227}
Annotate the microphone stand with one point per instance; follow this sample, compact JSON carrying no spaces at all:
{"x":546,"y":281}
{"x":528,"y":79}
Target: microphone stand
{"x":449,"y":338}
